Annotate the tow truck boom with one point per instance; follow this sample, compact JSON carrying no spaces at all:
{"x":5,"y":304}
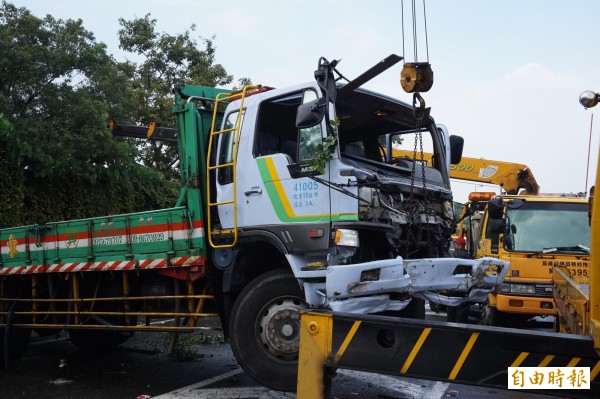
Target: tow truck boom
{"x":514,"y":178}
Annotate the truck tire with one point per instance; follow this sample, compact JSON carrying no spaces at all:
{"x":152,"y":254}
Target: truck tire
{"x":92,"y":340}
{"x":490,"y":316}
{"x":13,"y":341}
{"x":435,"y":307}
{"x":458,"y":314}
{"x":414,"y":310}
{"x":264,"y":329}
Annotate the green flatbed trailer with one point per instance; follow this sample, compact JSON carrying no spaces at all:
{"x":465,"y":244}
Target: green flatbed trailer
{"x":98,"y":277}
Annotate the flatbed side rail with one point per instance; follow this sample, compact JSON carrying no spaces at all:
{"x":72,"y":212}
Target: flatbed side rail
{"x":97,"y":304}
{"x":460,"y":353}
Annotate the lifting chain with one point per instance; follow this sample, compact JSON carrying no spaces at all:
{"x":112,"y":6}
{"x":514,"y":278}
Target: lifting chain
{"x":417,"y":77}
{"x":413,"y":213}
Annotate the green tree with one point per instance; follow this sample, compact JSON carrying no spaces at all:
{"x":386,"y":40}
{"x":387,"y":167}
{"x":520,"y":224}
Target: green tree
{"x":58,"y":160}
{"x":57,"y":88}
{"x":11,"y":183}
{"x":167,"y":61}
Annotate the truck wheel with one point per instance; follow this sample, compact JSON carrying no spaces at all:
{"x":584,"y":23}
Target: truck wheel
{"x":458,"y":314}
{"x":13,"y":341}
{"x":490,"y":316}
{"x":435,"y":307}
{"x":264,"y":329}
{"x":414,"y":310}
{"x":90,"y":339}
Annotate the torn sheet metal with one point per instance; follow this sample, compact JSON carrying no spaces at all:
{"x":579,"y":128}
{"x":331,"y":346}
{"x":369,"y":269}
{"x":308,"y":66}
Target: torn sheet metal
{"x":368,"y":278}
{"x":366,"y":287}
{"x":475,"y":295}
{"x":369,"y":304}
{"x":455,"y":274}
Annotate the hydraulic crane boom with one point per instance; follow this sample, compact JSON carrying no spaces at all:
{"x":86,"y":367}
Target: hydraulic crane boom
{"x":514,"y":178}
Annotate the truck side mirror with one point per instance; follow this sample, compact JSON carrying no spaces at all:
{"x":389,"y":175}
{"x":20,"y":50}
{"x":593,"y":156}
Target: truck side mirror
{"x":310,"y":114}
{"x":495,"y":208}
{"x":456,"y":149}
{"x":497,"y":226}
{"x":515,"y":204}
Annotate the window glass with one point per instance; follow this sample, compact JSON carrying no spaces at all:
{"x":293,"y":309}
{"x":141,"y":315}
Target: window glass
{"x":539,"y":226}
{"x":310,"y":137}
{"x":225,"y":175}
{"x":404,"y":144}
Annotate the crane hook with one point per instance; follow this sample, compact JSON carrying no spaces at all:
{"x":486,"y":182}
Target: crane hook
{"x":420,"y":111}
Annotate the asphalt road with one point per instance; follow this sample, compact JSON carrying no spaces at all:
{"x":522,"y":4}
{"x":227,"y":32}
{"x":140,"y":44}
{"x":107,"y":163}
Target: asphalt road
{"x":143,"y":368}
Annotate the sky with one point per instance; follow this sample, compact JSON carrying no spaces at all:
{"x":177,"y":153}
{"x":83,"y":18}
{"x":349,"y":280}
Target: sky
{"x":508,"y":74}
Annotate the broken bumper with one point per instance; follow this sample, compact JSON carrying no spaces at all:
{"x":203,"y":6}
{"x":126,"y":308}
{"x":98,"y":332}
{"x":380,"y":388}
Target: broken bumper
{"x":387,"y":284}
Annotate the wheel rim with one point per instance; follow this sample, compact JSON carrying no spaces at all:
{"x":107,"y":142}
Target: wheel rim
{"x":278,"y":328}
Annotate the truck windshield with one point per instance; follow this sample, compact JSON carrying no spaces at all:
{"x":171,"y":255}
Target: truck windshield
{"x":538,"y":226}
{"x":366,"y":118}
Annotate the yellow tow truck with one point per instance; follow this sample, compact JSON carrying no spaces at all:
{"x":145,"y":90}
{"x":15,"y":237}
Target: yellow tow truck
{"x":531,"y":230}
{"x":535,"y":234}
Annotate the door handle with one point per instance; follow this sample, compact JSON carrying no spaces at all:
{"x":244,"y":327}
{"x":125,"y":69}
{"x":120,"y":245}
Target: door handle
{"x":253,"y":190}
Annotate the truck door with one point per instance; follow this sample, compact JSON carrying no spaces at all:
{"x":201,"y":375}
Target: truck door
{"x":273,"y":191}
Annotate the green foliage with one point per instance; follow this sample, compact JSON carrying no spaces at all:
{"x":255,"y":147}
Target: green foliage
{"x":242,"y":82}
{"x":168,"y":61}
{"x":324,"y":151}
{"x":12,"y":194}
{"x":58,"y":161}
{"x":188,"y":346}
{"x":34,"y":200}
{"x":57,"y":88}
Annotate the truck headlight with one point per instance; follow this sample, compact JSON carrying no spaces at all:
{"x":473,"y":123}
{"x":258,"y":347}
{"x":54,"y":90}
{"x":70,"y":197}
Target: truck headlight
{"x":346,"y":238}
{"x":518,"y":288}
{"x":523,"y":288}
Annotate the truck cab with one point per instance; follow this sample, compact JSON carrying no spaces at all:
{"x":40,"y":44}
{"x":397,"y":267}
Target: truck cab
{"x":403,"y":206}
{"x":534,"y":234}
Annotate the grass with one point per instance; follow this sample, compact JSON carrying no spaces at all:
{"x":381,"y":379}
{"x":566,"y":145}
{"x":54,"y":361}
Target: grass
{"x":188,"y":346}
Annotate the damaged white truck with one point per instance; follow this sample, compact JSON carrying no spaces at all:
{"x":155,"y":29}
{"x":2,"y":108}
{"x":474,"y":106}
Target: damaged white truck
{"x":290,"y":199}
{"x":328,"y":219}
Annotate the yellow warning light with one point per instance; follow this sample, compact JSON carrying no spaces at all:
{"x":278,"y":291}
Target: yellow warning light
{"x":481,"y":196}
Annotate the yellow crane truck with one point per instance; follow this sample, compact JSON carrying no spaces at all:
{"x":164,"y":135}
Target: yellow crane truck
{"x":532,"y":231}
{"x":513,"y":178}
{"x":535,"y":234}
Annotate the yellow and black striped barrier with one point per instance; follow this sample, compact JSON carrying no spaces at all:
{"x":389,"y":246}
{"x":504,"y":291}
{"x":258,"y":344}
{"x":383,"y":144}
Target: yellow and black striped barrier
{"x":461,"y":353}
